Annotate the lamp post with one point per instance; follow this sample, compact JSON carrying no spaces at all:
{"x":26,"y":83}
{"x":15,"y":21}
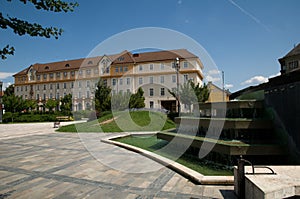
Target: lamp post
{"x":177,"y":67}
{"x":1,"y":105}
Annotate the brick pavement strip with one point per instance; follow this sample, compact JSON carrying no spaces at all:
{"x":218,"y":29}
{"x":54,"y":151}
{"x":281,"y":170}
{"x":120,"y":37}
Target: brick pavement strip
{"x":57,"y":165}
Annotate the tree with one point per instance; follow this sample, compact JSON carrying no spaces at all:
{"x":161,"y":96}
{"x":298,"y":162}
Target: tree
{"x":190,"y":93}
{"x":10,"y":90}
{"x":102,"y":97}
{"x":137,"y":100}
{"x":202,"y":92}
{"x":13,"y":103}
{"x":22,"y":27}
{"x":51,"y":104}
{"x":31,"y":104}
{"x":120,"y":101}
{"x":66,"y":104}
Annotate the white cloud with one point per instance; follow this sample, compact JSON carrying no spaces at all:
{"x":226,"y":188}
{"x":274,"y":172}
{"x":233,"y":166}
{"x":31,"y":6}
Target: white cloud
{"x":214,"y":72}
{"x":6,"y":84}
{"x":271,"y":76}
{"x":210,"y":78}
{"x":179,"y":2}
{"x":227,"y":86}
{"x":255,"y":80}
{"x":4,"y":75}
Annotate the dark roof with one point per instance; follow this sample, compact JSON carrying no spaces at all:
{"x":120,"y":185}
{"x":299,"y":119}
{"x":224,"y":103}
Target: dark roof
{"x":294,"y":51}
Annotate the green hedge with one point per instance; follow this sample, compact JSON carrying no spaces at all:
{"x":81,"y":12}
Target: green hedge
{"x":30,"y":117}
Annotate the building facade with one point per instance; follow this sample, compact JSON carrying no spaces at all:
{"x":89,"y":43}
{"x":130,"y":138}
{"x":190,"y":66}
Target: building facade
{"x":291,"y":61}
{"x":155,"y":72}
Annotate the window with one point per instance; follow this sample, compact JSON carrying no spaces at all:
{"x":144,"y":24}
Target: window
{"x":38,"y":77}
{"x":58,"y":75}
{"x":121,"y":69}
{"x":128,"y":90}
{"x":162,"y":66}
{"x":151,"y":104}
{"x":151,"y":92}
{"x":151,"y":67}
{"x":185,"y":78}
{"x":128,"y":81}
{"x":185,"y":64}
{"x":67,"y":65}
{"x":125,"y":68}
{"x":72,"y":84}
{"x":37,"y":96}
{"x":44,"y":86}
{"x":65,"y":85}
{"x":45,"y":76}
{"x":44,"y":96}
{"x":116,"y":69}
{"x":173,"y":64}
{"x":114,"y":82}
{"x":17,"y":89}
{"x":47,"y":68}
{"x":162,"y":91}
{"x":88,"y":84}
{"x":51,"y":75}
{"x":96,"y":71}
{"x":50,"y":96}
{"x":87,"y":94}
{"x":51,"y":86}
{"x":57,"y":95}
{"x":38,"y":87}
{"x":21,"y":88}
{"x":80,"y":72}
{"x":173,"y":78}
{"x":65,"y":74}
{"x":162,"y":79}
{"x":121,"y":81}
{"x":105,"y":82}
{"x":79,"y":84}
{"x":72,"y":73}
{"x":65,"y":94}
{"x":57,"y":86}
{"x":140,"y":80}
{"x":90,"y":62}
{"x":151,"y":80}
{"x":140,"y":67}
{"x":25,"y":88}
{"x":88,"y":72}
{"x":79,"y":94}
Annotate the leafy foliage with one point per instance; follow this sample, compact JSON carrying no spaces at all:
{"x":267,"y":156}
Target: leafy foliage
{"x":137,"y":100}
{"x":13,"y":103}
{"x":22,"y":27}
{"x":190,"y":93}
{"x":66,"y":104}
{"x":9,"y":90}
{"x":51,"y":104}
{"x":102,"y":97}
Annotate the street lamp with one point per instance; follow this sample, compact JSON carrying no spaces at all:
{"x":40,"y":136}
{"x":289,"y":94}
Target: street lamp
{"x":1,"y":105}
{"x":177,"y":67}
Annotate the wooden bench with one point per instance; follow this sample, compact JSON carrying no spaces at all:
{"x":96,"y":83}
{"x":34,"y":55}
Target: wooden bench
{"x":59,"y":119}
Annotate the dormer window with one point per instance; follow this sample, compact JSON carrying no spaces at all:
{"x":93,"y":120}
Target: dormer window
{"x":120,"y":58}
{"x":46,"y":67}
{"x":90,"y":62}
{"x":67,"y":65}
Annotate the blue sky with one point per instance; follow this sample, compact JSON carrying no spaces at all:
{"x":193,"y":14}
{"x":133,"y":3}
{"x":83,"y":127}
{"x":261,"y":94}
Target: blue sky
{"x":244,"y":38}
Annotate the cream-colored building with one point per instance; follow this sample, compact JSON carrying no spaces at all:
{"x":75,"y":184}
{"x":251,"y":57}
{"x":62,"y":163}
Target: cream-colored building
{"x":155,"y":72}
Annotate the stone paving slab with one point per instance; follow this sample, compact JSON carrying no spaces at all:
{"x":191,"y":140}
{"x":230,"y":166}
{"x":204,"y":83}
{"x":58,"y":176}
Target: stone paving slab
{"x":44,"y":164}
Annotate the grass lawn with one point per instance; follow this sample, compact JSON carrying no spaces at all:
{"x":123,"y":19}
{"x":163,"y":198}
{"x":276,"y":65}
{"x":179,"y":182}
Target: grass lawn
{"x":121,"y":121}
{"x":153,"y":144}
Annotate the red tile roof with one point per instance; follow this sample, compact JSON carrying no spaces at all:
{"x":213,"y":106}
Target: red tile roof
{"x":123,"y":57}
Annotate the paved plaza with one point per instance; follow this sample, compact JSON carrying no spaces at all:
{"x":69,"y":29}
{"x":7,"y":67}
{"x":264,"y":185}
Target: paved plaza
{"x":37,"y":162}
